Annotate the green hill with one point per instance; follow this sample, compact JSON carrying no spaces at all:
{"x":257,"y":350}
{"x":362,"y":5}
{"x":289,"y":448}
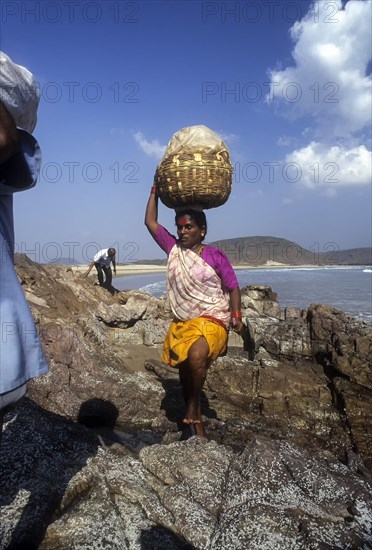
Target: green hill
{"x":265,"y":250}
{"x":261,"y":250}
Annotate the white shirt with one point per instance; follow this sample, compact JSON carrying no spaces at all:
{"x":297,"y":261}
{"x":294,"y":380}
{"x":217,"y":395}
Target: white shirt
{"x":102,"y":258}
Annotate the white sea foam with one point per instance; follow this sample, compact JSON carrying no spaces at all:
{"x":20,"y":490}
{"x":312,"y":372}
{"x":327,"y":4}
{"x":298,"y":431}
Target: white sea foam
{"x":155,"y":289}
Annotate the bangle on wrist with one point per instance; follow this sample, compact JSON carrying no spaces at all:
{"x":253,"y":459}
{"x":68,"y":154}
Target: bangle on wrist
{"x":153,"y":190}
{"x":236,"y":315}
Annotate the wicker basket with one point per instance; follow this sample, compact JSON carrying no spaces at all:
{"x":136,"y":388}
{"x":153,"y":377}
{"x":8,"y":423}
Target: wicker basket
{"x":195,"y":169}
{"x":195,"y":176}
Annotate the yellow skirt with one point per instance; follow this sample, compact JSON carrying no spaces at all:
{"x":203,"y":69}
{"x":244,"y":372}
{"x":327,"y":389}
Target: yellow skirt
{"x":182,"y":334}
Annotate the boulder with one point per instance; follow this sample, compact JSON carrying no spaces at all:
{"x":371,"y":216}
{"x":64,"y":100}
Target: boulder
{"x":69,"y":488}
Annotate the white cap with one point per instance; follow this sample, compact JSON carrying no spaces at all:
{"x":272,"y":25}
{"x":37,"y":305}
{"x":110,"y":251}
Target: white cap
{"x":19,"y":93}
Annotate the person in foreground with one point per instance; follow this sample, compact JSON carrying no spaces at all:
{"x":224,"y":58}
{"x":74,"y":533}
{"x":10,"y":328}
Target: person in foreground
{"x":204,"y":298}
{"x":21,"y":355}
{"x":102,"y":261}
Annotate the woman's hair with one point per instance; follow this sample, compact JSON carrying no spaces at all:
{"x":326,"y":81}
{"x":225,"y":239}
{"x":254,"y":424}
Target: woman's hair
{"x":197,"y":216}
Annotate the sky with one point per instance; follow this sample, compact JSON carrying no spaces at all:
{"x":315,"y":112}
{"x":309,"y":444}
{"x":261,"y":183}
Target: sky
{"x":286,"y":84}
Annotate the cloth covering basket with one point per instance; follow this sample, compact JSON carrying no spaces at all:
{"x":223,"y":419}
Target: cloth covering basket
{"x":195,"y":169}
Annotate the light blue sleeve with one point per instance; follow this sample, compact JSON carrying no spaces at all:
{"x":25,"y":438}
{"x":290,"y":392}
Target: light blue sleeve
{"x":12,"y":181}
{"x":21,"y":354}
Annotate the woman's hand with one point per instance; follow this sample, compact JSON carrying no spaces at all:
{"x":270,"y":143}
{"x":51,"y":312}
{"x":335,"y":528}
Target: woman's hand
{"x":237,"y":325}
{"x":236,"y":313}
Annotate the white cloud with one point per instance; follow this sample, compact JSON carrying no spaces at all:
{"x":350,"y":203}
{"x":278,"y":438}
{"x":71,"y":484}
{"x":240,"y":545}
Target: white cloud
{"x":229,"y":138}
{"x":287,"y":201}
{"x":328,"y":83}
{"x":332,"y":49}
{"x":284,"y":141}
{"x":321,"y":166}
{"x":330,"y":193}
{"x":150,"y":148}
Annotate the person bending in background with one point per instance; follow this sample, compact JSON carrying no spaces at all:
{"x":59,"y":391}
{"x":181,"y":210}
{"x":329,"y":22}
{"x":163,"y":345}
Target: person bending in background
{"x":101,"y":262}
{"x":204,"y":297}
{"x":21,"y":355}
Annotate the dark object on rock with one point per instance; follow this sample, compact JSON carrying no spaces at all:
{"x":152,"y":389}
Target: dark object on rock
{"x":249,"y":341}
{"x":187,"y":432}
{"x":98,"y":412}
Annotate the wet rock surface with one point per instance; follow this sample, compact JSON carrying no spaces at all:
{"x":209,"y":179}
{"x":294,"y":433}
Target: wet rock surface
{"x":93,"y":456}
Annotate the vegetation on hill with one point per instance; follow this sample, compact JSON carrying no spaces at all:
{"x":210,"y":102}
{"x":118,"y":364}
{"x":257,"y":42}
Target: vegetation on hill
{"x":258,"y":250}
{"x":261,"y":250}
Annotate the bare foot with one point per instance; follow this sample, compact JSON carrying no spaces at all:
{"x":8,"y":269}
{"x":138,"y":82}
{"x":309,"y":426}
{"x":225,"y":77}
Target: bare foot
{"x":197,"y":426}
{"x":191,"y":421}
{"x":193,"y":413}
{"x":200,"y":429}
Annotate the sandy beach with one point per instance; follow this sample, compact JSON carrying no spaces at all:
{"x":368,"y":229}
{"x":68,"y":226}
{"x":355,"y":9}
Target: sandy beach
{"x":121,"y":270}
{"x":147,"y":269}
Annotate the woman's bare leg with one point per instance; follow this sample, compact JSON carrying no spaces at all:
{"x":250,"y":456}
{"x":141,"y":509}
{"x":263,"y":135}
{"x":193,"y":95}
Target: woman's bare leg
{"x":184,"y":375}
{"x":194,"y":373}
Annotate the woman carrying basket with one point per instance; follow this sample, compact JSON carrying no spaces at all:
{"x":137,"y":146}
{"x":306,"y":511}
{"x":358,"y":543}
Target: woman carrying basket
{"x":204,"y":298}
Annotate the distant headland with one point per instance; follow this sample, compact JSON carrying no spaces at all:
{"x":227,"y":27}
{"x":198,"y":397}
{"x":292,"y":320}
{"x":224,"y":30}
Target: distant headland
{"x":268,"y":251}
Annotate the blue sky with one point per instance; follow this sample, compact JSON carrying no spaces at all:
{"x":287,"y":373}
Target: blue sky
{"x":286,"y":84}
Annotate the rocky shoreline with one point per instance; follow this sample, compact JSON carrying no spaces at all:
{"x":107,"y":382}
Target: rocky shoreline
{"x":93,"y":458}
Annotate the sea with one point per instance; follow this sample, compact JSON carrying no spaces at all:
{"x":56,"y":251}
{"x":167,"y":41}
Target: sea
{"x":348,"y":288}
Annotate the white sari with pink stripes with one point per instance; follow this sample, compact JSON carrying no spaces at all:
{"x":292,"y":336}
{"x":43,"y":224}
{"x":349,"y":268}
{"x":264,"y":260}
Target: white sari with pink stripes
{"x":194,"y":288}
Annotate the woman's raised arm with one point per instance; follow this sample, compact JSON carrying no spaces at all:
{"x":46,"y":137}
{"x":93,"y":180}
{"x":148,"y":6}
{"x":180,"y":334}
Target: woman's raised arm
{"x":151,"y":215}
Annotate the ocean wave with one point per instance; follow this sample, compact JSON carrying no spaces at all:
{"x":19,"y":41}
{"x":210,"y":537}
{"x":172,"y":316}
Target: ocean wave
{"x":367,"y":317}
{"x":300,"y":268}
{"x":273,"y":270}
{"x":343,"y":267}
{"x":367,"y":270}
{"x":155,"y":289}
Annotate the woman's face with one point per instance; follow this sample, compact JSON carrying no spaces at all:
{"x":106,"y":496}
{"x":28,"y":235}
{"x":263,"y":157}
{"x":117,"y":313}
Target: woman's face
{"x":190,"y":235}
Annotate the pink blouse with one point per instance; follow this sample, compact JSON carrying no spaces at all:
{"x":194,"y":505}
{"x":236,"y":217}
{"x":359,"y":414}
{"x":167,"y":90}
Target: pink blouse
{"x":211,"y":255}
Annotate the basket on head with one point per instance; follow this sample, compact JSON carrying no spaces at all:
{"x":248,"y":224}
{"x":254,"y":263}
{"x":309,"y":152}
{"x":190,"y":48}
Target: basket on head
{"x":195,"y":168}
